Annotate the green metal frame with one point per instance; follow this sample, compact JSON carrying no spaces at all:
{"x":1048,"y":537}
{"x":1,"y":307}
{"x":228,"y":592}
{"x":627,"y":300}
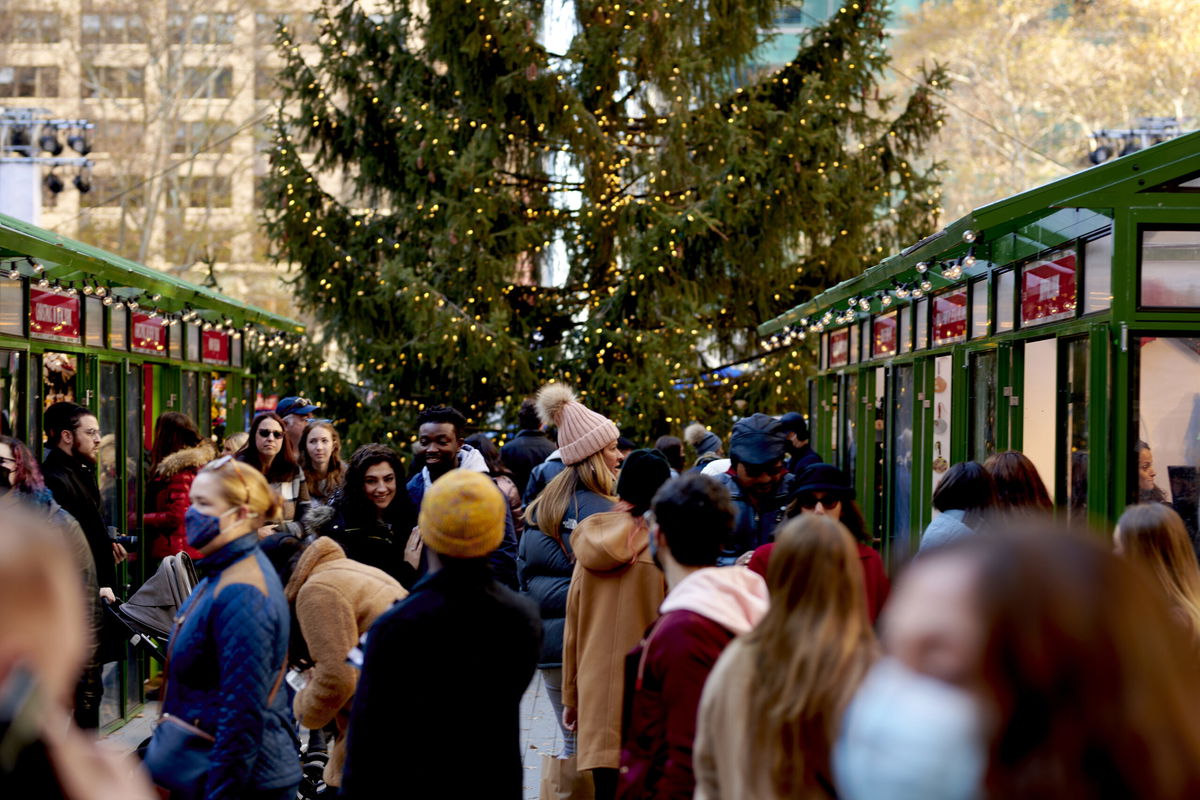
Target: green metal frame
{"x":1118,"y":198}
{"x":59,"y":259}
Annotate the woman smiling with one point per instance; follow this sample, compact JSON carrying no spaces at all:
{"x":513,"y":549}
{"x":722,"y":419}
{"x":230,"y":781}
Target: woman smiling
{"x":370,"y":517}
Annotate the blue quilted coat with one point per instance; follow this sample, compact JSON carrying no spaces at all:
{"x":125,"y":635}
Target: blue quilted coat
{"x":228,"y":654}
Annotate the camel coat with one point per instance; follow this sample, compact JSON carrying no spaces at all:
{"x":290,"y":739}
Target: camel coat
{"x":615,"y":594}
{"x":335,"y":601}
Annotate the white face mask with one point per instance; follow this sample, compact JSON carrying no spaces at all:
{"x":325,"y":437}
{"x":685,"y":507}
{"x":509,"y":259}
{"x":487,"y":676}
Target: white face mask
{"x":907,"y":736}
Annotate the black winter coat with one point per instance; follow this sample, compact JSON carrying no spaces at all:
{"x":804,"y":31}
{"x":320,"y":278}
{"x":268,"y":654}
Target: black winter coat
{"x":369,"y":540}
{"x":74,"y":487}
{"x":544,"y":570}
{"x":523,"y":453}
{"x":436,"y":712}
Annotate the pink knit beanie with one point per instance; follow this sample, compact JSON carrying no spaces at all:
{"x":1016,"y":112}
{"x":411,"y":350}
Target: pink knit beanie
{"x":581,"y":431}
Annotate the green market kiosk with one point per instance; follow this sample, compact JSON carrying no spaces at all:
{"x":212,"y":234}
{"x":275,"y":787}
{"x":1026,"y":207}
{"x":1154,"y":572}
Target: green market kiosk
{"x":1063,"y":322}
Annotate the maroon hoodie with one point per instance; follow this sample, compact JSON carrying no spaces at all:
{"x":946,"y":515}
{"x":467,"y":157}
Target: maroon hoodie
{"x":665,"y":674}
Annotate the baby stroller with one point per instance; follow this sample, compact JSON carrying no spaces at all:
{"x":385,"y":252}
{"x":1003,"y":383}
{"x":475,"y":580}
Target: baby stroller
{"x":150,"y":612}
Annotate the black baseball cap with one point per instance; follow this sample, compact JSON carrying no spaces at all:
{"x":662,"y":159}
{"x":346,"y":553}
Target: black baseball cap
{"x":757,"y":439}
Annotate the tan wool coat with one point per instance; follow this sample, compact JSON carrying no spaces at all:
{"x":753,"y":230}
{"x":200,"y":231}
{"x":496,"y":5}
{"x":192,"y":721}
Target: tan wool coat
{"x":615,"y":594}
{"x":336,"y":600}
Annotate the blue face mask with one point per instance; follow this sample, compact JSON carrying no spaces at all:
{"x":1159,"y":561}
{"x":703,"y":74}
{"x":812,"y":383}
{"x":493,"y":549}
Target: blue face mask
{"x":907,"y":736}
{"x":201,"y":528}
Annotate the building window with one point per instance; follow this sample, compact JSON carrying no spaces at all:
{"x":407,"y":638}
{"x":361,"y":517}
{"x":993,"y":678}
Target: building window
{"x":199,"y":191}
{"x":266,"y":83}
{"x":187,"y":28}
{"x":206,"y":83}
{"x":300,"y":28}
{"x":103,"y":82}
{"x":25,"y":26}
{"x":118,"y":135}
{"x":111,"y":27}
{"x":203,"y":136}
{"x":114,"y":191}
{"x":28,"y":81}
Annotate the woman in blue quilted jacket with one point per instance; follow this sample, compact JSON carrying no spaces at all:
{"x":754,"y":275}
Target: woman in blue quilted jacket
{"x":229,"y":646}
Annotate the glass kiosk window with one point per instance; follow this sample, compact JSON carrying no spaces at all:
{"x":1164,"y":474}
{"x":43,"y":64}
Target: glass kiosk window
{"x":981,"y":316}
{"x":902,"y":456}
{"x":1048,"y":289}
{"x":983,"y":405}
{"x":1167,"y":424}
{"x":943,"y":376}
{"x":1170,"y":274}
{"x":1006,"y":284}
{"x":1097,"y":274}
{"x":12,"y":307}
{"x":1076,"y":428}
{"x":1038,"y":394}
{"x":921,"y":324}
{"x":12,"y":417}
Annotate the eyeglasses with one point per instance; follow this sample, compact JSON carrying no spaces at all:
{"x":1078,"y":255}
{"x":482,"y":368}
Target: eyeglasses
{"x":93,"y":433}
{"x":265,"y":434}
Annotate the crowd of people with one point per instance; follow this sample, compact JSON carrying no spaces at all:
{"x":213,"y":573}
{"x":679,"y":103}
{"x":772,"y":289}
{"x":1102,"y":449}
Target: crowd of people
{"x":709,"y":618}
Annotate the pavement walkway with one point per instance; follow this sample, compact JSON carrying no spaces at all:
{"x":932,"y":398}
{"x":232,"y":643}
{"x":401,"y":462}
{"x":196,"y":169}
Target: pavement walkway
{"x":540,"y":733}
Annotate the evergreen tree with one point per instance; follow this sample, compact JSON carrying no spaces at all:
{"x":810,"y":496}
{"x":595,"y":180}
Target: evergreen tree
{"x":690,"y":198}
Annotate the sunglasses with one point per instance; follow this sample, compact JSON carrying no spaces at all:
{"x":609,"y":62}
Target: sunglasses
{"x":265,"y":434}
{"x":810,"y":501}
{"x":758,"y":470}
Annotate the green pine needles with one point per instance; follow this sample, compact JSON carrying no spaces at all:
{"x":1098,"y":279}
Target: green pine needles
{"x":435,"y":164}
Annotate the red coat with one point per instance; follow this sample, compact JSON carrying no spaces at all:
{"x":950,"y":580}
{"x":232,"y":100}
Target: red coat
{"x":171,"y":492}
{"x":665,"y":675}
{"x":877,"y":584}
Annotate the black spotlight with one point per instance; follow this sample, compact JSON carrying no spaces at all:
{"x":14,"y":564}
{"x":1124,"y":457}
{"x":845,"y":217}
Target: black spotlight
{"x":19,"y":140}
{"x":82,"y":184}
{"x":1100,"y":154}
{"x":1131,"y":146}
{"x":53,"y":183}
{"x":49,"y":142}
{"x":79,"y":144}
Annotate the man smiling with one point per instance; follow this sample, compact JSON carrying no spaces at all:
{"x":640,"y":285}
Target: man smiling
{"x":440,"y":443}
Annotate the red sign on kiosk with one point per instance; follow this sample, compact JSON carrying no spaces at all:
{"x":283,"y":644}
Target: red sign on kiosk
{"x":1048,"y":289}
{"x":884,"y":334}
{"x":839,"y":348}
{"x":214,"y":347}
{"x":149,"y":335}
{"x":54,"y":316}
{"x":950,"y":317}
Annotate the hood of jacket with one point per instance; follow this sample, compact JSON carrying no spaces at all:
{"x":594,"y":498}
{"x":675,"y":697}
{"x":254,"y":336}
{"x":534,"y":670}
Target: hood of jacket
{"x":609,"y":541}
{"x":468,"y":458}
{"x":187,"y":458}
{"x":322,"y":551}
{"x":733,"y":597}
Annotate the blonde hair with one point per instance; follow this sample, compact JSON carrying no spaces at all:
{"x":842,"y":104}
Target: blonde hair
{"x":811,"y":651}
{"x":547,"y":511}
{"x":1154,"y":538}
{"x":243,"y":485}
{"x":234,"y":442}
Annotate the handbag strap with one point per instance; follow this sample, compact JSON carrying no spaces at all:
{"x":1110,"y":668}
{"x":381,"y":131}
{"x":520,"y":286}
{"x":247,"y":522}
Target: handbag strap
{"x":171,"y":649}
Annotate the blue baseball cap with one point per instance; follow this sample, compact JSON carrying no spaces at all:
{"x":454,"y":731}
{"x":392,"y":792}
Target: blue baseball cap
{"x":295,"y":405}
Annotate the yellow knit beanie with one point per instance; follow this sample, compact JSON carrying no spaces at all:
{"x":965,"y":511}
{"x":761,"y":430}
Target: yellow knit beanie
{"x":462,"y":515}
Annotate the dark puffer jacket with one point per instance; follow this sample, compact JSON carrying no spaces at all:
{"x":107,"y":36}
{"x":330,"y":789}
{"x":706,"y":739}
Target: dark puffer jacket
{"x":226,"y":655}
{"x":754,"y":525}
{"x":544,"y":570}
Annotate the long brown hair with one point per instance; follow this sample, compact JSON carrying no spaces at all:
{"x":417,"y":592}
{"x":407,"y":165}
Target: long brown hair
{"x":1093,"y":690}
{"x":1153,"y":536}
{"x":811,"y":651}
{"x":284,"y":467}
{"x":1018,"y":485}
{"x":546,"y":512}
{"x":173,"y":432}
{"x":334,"y":473}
